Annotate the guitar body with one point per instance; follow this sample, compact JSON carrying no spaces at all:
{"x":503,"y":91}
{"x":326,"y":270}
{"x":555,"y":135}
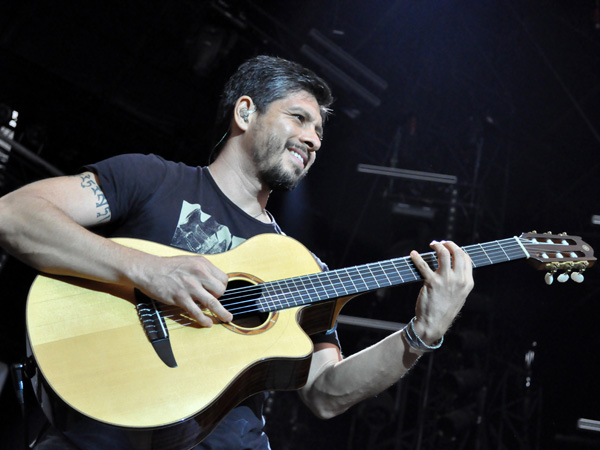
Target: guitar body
{"x":95,"y":362}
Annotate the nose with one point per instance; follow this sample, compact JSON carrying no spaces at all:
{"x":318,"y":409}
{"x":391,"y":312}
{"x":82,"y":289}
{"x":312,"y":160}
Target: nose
{"x":311,"y":140}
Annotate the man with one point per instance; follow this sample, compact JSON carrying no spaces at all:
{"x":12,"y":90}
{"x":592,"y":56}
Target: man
{"x":274,"y":110}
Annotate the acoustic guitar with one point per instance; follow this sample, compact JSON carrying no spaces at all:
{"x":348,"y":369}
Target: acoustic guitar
{"x":146,"y":372}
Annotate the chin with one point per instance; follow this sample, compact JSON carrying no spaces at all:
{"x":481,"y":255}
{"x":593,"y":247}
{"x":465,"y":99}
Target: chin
{"x":283,"y":181}
{"x":283,"y":186}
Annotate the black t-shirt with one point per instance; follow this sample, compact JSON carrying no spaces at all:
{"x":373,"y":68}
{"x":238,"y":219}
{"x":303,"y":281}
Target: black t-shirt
{"x":173,"y":204}
{"x":182,"y":206}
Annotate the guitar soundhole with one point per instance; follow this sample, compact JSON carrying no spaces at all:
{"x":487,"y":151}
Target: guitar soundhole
{"x":244,"y":308}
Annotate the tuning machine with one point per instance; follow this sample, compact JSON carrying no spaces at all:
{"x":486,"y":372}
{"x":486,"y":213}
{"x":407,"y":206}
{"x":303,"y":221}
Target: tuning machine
{"x":569,"y":270}
{"x":552,"y":268}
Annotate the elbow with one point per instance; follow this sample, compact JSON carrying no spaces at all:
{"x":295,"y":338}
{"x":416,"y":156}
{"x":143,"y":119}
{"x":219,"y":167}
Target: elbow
{"x":325,"y":411}
{"x":322,"y":405}
{"x":328,"y":413}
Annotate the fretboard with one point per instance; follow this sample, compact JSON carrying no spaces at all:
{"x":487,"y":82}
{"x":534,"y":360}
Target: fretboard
{"x":302,"y":290}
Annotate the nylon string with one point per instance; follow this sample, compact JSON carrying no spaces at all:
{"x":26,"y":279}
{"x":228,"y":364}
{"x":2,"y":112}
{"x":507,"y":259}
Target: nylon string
{"x":305,"y":289}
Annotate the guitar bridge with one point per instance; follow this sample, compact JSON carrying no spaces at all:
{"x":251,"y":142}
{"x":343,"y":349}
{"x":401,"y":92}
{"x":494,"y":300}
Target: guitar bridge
{"x":155,"y":327}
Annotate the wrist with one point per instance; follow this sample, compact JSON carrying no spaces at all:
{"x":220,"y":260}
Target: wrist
{"x":416,"y":341}
{"x":138,"y":267}
{"x":427,"y":331}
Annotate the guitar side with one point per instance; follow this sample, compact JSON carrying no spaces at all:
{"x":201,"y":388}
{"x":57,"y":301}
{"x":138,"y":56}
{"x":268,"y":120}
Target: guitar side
{"x":97,"y":362}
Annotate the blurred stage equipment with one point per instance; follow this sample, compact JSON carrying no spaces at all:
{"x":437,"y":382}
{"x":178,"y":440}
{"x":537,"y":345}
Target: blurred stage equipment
{"x":337,"y":66}
{"x":375,"y":324}
{"x":8,"y":124}
{"x":3,"y":374}
{"x":408,"y":174}
{"x":208,"y":47}
{"x":588,"y":424}
{"x":13,"y":148}
{"x":328,"y":54}
{"x":428,"y":202}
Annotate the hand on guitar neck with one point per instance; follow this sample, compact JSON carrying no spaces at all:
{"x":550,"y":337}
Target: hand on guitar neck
{"x":444,"y":290}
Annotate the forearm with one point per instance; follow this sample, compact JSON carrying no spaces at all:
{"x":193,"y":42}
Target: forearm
{"x":46,"y":238}
{"x":336,"y":386}
{"x":45,"y":225}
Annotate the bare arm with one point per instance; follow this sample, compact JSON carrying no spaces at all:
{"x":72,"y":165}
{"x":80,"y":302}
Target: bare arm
{"x":45,"y":225}
{"x":335,"y":384}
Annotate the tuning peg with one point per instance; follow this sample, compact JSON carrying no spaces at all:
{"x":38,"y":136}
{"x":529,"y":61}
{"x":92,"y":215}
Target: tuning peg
{"x":562,"y":278}
{"x":549,"y":278}
{"x":577,"y":277}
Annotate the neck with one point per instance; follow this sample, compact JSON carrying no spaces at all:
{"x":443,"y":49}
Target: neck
{"x":238,"y":180}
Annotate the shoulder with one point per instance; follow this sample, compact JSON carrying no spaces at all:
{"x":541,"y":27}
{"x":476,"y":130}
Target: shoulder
{"x":133,"y":161}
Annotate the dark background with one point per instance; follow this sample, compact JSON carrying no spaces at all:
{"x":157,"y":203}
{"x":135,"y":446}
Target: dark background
{"x":502,"y":94}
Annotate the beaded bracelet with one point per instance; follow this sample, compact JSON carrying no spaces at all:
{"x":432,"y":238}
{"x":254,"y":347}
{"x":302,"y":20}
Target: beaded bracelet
{"x":415,"y":342}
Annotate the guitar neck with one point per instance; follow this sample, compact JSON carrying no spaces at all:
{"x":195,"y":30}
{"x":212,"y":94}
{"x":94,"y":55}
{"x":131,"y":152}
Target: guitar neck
{"x":303,"y":290}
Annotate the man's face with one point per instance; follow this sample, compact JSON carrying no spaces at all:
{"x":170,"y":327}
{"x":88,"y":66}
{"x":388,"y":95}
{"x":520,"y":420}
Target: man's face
{"x":286,"y":138}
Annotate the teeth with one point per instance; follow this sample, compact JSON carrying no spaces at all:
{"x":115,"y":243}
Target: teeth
{"x":297,"y":155}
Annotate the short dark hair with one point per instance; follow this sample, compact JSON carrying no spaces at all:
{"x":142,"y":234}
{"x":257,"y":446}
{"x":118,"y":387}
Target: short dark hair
{"x":266,"y":79}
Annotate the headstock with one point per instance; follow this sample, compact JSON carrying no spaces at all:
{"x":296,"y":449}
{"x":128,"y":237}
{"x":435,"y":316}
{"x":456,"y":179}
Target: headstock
{"x":555,"y":253}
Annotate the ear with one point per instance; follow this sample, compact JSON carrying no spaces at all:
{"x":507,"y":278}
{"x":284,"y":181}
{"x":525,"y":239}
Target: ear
{"x":242,"y":112}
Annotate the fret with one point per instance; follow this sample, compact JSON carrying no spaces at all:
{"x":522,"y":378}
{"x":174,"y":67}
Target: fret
{"x":342,"y":275}
{"x":343,"y":278}
{"x":288,"y":295}
{"x":494,"y":252}
{"x":333,"y":284}
{"x":391,"y":271}
{"x":319,"y":289}
{"x":412,"y":274}
{"x":271,"y":298}
{"x":357,"y":280}
{"x":397,"y":273}
{"x":378,"y":274}
{"x":260,"y":303}
{"x":486,"y":256}
{"x":503,"y":251}
{"x":298,"y":291}
{"x":312,"y":290}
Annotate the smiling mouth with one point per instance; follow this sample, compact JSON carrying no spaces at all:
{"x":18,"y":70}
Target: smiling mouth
{"x":298,"y":156}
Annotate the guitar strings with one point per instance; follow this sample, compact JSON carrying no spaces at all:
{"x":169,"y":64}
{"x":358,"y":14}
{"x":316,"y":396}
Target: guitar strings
{"x":233,"y":301}
{"x":243,"y":300}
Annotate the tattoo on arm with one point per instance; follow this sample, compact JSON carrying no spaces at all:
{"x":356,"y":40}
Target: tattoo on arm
{"x":102,"y":208}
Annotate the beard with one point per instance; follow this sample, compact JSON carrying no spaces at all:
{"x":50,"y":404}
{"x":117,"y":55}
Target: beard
{"x":270,"y":168}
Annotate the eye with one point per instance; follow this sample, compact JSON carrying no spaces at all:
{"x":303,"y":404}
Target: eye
{"x":300,"y":117}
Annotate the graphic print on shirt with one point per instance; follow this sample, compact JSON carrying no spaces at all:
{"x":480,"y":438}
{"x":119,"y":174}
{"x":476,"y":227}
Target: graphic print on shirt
{"x":199,"y":232}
